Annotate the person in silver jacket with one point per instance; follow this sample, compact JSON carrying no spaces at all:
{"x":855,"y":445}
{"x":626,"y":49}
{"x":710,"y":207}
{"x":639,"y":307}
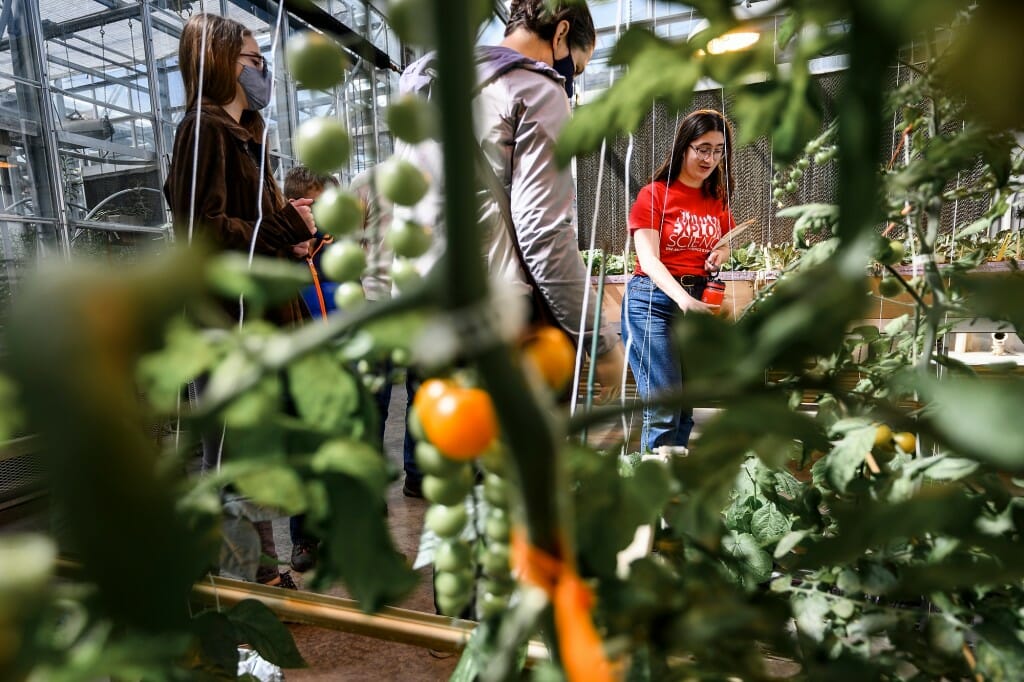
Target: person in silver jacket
{"x":523,"y":87}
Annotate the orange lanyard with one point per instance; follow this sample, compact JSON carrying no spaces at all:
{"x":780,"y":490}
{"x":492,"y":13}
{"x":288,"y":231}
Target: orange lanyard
{"x":327,"y":239}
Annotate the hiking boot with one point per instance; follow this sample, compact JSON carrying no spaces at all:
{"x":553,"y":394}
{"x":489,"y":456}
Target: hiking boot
{"x":412,"y":488}
{"x":304,"y":555}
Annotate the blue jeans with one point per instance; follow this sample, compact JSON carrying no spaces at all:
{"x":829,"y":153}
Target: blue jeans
{"x":647,"y":316}
{"x":413,"y":474}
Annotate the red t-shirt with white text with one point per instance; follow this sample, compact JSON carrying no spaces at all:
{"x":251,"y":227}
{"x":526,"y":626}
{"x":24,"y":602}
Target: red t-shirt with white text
{"x":690,"y":224}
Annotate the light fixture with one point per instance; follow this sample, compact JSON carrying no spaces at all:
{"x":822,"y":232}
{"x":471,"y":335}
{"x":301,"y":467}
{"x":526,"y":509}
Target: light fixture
{"x":743,"y":36}
{"x":733,"y":41}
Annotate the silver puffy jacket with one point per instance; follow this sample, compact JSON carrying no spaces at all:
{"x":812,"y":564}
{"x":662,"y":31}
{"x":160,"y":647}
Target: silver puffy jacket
{"x":519,"y":111}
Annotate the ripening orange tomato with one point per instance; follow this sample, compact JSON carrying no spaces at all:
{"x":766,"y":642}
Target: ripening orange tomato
{"x":431,"y":390}
{"x":460,"y":422}
{"x":550,"y":352}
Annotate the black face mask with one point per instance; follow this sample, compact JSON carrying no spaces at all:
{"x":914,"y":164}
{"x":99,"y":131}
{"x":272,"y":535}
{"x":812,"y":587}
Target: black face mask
{"x":567,"y":68}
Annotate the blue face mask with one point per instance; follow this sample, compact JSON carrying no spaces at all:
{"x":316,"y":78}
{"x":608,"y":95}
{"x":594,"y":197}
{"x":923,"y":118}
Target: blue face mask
{"x":256,"y":85}
{"x":566,"y":67}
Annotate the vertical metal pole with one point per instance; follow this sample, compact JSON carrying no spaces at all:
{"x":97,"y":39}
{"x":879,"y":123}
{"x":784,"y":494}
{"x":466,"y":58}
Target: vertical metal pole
{"x":156,"y":107}
{"x":48,"y":132}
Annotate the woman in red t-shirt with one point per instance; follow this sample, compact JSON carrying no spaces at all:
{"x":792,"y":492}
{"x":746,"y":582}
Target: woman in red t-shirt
{"x":676,"y":223}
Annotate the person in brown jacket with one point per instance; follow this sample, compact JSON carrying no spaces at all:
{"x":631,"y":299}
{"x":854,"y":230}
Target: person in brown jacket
{"x":214,"y":185}
{"x":220,"y":188}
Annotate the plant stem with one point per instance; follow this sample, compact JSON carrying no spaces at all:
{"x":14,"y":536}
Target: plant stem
{"x":526,"y":429}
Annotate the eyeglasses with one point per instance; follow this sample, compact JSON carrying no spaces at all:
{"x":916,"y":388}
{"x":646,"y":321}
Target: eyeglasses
{"x":707,"y":152}
{"x":259,"y":61}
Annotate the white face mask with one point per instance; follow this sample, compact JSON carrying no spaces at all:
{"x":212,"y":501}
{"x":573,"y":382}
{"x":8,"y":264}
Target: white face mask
{"x":256,"y":85}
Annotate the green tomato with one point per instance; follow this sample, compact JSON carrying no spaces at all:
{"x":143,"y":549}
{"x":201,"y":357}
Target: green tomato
{"x":411,"y":20}
{"x":349,"y":296}
{"x":493,"y":459}
{"x":501,"y":587}
{"x":497,"y":527}
{"x":453,"y":556}
{"x":343,"y":261}
{"x":315,"y":60}
{"x":492,"y":605}
{"x":495,"y":559}
{"x":791,"y":187}
{"x":412,"y":119}
{"x":945,"y":636}
{"x":452,"y":607}
{"x":401,"y":182}
{"x":802,"y":163}
{"x":430,"y":459}
{"x":890,"y":287}
{"x":796,"y":174}
{"x":495,"y":490}
{"x":408,"y":239}
{"x":456,"y":585}
{"x":415,"y":427}
{"x":322,"y":144}
{"x":446,"y":522}
{"x":452,"y":490}
{"x":404,"y":273}
{"x":896,"y":251}
{"x":338,"y":212}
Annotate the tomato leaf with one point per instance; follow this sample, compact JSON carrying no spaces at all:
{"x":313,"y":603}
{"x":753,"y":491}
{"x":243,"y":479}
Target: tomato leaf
{"x":755,"y":564}
{"x":325,"y":394}
{"x":357,"y":546}
{"x":275,"y":486}
{"x":768,"y":524}
{"x":977,"y":418}
{"x":811,"y":613}
{"x":841,"y":465}
{"x":257,"y":625}
{"x":357,"y":460}
{"x":186,"y":355}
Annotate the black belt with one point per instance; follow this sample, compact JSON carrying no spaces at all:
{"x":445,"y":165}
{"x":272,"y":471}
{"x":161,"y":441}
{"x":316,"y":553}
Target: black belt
{"x":691,"y":280}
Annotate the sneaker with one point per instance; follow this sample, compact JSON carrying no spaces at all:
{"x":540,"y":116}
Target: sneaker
{"x":412,"y":488}
{"x":304,"y":555}
{"x":282,"y":580}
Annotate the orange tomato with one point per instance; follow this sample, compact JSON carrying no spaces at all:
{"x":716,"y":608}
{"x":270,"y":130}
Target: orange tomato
{"x":906,"y":441}
{"x":460,"y":423}
{"x":431,"y":391}
{"x":551,"y":354}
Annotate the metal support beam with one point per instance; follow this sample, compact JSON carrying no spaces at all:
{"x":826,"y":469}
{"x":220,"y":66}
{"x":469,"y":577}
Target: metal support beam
{"x":392,"y":624}
{"x":99,"y":74}
{"x":347,"y":37}
{"x":86,"y":142}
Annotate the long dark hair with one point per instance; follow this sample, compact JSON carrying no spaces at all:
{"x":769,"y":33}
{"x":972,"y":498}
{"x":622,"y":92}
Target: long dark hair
{"x":718,"y":184}
{"x":223,"y":45}
{"x":541,"y":17}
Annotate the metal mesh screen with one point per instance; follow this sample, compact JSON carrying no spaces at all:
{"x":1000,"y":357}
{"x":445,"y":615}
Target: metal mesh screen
{"x":752,"y":170}
{"x":20,"y":475}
